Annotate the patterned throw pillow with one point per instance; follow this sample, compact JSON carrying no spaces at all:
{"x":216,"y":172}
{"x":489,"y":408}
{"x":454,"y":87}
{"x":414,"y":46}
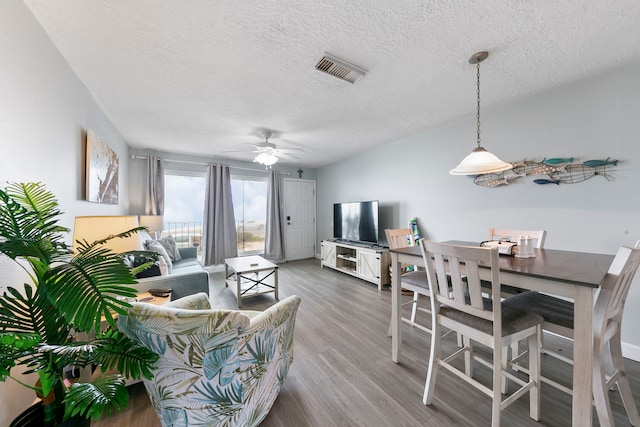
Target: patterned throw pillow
{"x":155,"y":246}
{"x":169,"y":245}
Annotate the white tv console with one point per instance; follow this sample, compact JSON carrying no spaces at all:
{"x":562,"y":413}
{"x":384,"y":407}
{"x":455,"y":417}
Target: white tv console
{"x":365,"y":262}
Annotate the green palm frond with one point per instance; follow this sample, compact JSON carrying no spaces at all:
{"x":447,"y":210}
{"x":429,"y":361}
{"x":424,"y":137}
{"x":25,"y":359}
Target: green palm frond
{"x":109,"y":350}
{"x":28,"y":223}
{"x":128,"y":356}
{"x":67,"y":294}
{"x":93,"y":399}
{"x":86,"y":289}
{"x":31,"y":313}
{"x":13,"y":347}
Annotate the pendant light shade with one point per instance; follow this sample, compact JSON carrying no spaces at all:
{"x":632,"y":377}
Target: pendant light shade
{"x":480,"y":161}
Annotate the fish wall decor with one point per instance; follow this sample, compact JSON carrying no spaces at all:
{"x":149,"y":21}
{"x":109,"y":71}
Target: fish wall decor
{"x":559,"y":170}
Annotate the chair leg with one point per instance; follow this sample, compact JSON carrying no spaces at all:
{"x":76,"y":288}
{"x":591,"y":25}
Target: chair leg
{"x":468,"y":356}
{"x":504,"y":382}
{"x":600,"y":390}
{"x":623,"y":381}
{"x":496,"y":385}
{"x":434,"y":359}
{"x":534,"y":374}
{"x":414,"y":307}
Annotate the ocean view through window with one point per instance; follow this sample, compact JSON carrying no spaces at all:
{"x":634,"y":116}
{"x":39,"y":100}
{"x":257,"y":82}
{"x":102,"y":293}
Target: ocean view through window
{"x":250,"y":210}
{"x":184,"y":209}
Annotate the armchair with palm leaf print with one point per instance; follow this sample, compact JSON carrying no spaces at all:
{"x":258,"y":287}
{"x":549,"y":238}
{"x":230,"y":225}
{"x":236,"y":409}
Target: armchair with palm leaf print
{"x":216,"y":367}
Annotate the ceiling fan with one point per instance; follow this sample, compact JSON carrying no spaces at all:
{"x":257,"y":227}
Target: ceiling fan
{"x":267,"y":152}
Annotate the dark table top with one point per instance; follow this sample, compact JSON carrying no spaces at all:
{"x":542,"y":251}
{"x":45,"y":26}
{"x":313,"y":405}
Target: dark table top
{"x":580,"y":268}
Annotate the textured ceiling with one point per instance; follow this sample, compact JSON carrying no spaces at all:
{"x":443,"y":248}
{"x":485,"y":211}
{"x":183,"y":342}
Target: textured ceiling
{"x":203,"y":77}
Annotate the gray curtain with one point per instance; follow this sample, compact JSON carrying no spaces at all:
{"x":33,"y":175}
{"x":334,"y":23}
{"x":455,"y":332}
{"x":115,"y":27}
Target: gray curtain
{"x":154,"y":204}
{"x":274,"y":236}
{"x":219,"y":228}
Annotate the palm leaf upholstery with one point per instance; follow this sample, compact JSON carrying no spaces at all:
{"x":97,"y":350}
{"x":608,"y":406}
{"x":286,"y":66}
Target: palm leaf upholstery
{"x":216,"y":367}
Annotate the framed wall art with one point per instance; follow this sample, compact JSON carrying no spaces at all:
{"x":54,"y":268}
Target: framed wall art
{"x":102,"y":171}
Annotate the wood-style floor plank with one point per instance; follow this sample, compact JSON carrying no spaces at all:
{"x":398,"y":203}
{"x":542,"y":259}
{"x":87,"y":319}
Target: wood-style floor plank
{"x":343,"y":375}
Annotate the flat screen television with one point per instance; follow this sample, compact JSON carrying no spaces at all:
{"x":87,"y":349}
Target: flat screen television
{"x":356,"y":221}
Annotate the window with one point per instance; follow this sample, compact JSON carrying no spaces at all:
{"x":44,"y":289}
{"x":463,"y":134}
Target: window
{"x":250,"y":210}
{"x":184,"y":209}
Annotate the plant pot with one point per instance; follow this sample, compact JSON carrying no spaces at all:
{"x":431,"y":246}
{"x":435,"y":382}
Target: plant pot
{"x":33,"y":416}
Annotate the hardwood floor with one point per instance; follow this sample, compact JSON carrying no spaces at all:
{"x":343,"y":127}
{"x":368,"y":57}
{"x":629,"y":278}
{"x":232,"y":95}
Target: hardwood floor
{"x":343,"y":375}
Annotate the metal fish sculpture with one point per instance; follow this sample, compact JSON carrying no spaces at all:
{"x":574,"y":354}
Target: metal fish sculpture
{"x":494,"y":183}
{"x":510,"y":175}
{"x":496,"y":179}
{"x":579,"y":173}
{"x":546,"y":181}
{"x":542,"y":169}
{"x":556,"y":161}
{"x":597,"y":163}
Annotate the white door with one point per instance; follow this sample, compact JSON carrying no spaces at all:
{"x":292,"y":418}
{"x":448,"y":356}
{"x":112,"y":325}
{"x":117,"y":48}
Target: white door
{"x":300,"y":218}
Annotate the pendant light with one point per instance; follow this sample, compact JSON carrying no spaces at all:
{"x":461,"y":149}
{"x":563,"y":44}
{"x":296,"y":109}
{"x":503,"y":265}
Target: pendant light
{"x":480,"y":161}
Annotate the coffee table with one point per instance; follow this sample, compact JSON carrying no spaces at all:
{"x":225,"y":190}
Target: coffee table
{"x":253,"y":275}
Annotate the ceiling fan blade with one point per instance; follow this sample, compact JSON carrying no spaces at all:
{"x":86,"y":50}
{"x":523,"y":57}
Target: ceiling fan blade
{"x":284,"y":150}
{"x":277,"y":153}
{"x":237,"y":151}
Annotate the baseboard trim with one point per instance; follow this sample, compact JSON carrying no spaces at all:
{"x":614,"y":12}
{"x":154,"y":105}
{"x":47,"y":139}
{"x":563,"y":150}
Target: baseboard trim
{"x":630,"y":351}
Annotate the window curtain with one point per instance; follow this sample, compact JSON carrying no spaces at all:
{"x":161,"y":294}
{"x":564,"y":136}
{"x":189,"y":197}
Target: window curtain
{"x":220,"y":238}
{"x":154,"y":204}
{"x":274,"y":236}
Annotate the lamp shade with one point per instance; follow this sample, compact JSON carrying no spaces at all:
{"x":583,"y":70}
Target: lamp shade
{"x":152,"y":222}
{"x":479,"y":162}
{"x":266,"y":159}
{"x":92,"y":228}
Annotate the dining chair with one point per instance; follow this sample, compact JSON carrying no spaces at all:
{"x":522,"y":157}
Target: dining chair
{"x":537,"y":236}
{"x":558,"y":317}
{"x":459,"y":305}
{"x":414,"y":281}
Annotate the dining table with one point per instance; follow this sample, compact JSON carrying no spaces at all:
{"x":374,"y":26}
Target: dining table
{"x":569,"y":274}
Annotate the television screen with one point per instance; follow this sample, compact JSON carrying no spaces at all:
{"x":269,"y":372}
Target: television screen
{"x":356,"y":221}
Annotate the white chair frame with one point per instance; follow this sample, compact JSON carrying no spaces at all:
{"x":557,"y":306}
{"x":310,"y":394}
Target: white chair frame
{"x":444,"y":261}
{"x":607,"y":323}
{"x":402,"y":238}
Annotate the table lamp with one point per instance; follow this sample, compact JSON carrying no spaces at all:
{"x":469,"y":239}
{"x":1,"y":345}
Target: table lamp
{"x":154,"y":223}
{"x":92,"y":228}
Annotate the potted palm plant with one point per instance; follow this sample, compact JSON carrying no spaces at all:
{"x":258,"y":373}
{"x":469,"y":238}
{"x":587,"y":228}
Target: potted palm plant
{"x":55,"y":325}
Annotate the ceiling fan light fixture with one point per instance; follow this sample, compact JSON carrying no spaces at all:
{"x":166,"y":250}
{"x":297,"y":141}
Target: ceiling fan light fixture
{"x":266,"y":159}
{"x":480,"y":161}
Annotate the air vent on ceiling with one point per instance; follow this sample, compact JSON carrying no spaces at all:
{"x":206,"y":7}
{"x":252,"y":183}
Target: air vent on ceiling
{"x":340,"y":68}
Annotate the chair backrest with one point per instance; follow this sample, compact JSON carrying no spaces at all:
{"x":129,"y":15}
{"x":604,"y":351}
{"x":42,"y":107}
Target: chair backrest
{"x":399,"y":237}
{"x":233,"y":362}
{"x":537,"y":236}
{"x":613,"y":292}
{"x":447,"y":265}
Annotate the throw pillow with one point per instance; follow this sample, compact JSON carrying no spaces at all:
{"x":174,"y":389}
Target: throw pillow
{"x":155,"y":246}
{"x":169,"y":245}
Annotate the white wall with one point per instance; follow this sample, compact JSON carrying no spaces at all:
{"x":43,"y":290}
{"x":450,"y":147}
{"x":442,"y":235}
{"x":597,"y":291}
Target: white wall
{"x":45,"y":112}
{"x":591,"y":119}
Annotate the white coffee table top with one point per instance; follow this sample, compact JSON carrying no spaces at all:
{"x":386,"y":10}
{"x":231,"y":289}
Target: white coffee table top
{"x":249,"y":263}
